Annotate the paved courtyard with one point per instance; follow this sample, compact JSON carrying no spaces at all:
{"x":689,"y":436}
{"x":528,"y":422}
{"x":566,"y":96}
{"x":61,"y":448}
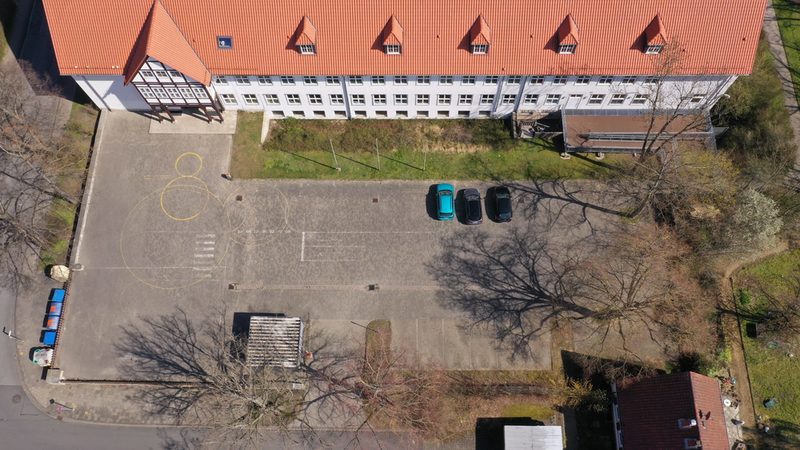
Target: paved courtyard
{"x":165,"y":230}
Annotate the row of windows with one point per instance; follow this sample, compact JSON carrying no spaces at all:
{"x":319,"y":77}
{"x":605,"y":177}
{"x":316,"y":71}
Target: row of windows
{"x":173,"y":92}
{"x":441,"y":99}
{"x":244,"y":80}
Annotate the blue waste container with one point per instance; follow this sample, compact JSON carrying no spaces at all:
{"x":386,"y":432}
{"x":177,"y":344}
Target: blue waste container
{"x":49,"y":338}
{"x":57,"y":295}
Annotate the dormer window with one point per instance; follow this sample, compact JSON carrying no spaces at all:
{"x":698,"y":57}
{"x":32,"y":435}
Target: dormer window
{"x":567,"y":36}
{"x":655,"y":37}
{"x":479,"y":49}
{"x":391,"y":49}
{"x":567,"y":49}
{"x":480,"y":37}
{"x":305,"y":37}
{"x":392,"y":37}
{"x":307,"y":49}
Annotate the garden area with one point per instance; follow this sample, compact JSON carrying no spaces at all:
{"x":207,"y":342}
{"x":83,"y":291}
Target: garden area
{"x":399,"y":149}
{"x":769,"y":306}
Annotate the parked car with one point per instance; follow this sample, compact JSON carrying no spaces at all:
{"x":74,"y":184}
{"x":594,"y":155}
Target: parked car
{"x":502,"y":204}
{"x":473,"y":214}
{"x":445,"y":209}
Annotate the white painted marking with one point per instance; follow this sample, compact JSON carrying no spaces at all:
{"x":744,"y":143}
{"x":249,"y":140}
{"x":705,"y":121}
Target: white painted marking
{"x":203,"y":255}
{"x":303,"y":247}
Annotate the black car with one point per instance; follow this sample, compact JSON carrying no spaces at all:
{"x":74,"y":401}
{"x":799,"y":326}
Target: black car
{"x":502,"y":204}
{"x":473,"y":214}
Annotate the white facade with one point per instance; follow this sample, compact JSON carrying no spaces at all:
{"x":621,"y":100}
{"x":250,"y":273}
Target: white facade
{"x":432,"y":96}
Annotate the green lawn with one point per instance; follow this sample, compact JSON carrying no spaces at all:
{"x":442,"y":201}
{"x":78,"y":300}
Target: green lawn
{"x":407,"y":149}
{"x":772,"y":372}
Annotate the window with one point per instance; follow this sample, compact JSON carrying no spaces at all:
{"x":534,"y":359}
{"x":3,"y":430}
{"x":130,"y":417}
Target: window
{"x":583,"y":79}
{"x":639,"y":99}
{"x":200,"y":93}
{"x":654,"y":49}
{"x":566,"y":49}
{"x":355,"y":79}
{"x":552,"y":99}
{"x":173,"y":92}
{"x":332,"y":80}
{"x":514,"y":79}
{"x":465,"y":99}
{"x":175,"y":74}
{"x":287,"y":80}
{"x":146,"y":92}
{"x":358,"y":99}
{"x":468,"y":79}
{"x":617,"y":99}
{"x":224,"y":42}
{"x":271,"y":99}
{"x":487,"y":99}
{"x":337,"y":99}
{"x":509,"y":99}
{"x":264,"y":79}
{"x":531,"y":99}
{"x":401,"y":79}
{"x":491,"y":79}
{"x":400,"y":99}
{"x":250,"y":99}
{"x":445,"y":79}
{"x":443,"y":99}
{"x":423,"y":99}
{"x":560,"y":79}
{"x":378,"y":79}
{"x":628,"y":80}
{"x":146,"y":73}
{"x":424,"y":79}
{"x":242,"y":80}
{"x":315,"y":99}
{"x":605,"y":79}
{"x":161,"y":93}
{"x":187,"y":92}
{"x":161,"y":74}
{"x":310,"y":80}
{"x":228,"y":99}
{"x":697,"y":98}
{"x":651,"y":80}
{"x":479,"y":49}
{"x":596,"y":99}
{"x":379,"y":99}
{"x":293,"y":99}
{"x":537,"y":79}
{"x":391,"y":49}
{"x":307,"y":49}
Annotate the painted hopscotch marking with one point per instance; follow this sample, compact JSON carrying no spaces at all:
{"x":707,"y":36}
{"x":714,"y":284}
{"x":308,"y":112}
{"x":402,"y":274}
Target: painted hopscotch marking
{"x":204,"y":248}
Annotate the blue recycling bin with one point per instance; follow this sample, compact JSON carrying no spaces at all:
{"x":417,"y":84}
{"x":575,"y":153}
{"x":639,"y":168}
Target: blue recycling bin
{"x":57,"y":295}
{"x":49,"y":338}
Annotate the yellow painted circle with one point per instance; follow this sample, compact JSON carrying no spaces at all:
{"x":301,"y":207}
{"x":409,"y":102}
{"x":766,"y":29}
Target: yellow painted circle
{"x":188,"y":160}
{"x":186,"y":183}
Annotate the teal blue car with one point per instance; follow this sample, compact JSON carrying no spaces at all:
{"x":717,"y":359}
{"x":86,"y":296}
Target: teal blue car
{"x":445,"y":206}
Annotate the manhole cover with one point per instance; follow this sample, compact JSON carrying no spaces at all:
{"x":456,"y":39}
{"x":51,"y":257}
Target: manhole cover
{"x":374,"y":200}
{"x":16,"y":398}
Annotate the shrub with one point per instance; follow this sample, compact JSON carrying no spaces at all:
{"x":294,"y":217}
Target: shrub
{"x":744,"y":297}
{"x":756,"y":221}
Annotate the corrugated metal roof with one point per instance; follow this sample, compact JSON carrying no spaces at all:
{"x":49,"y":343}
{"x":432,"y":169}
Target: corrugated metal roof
{"x":274,"y":341}
{"x":715,"y":36}
{"x":516,"y":437}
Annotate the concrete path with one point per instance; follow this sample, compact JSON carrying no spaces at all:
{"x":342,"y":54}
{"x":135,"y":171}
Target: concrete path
{"x":773,"y":35}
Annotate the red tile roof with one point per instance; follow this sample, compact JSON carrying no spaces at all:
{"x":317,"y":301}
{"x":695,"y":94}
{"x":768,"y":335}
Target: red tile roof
{"x":716,"y":36}
{"x":161,"y":39}
{"x":480,"y":33}
{"x":650,"y":409}
{"x":655,"y":32}
{"x":306,"y":33}
{"x":393,"y":33}
{"x":568,"y":31}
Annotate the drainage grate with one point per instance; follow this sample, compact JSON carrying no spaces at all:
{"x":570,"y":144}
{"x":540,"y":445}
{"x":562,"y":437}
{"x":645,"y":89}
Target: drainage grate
{"x":238,"y":198}
{"x":375,"y":200}
{"x":232,"y":286}
{"x":373,"y":287}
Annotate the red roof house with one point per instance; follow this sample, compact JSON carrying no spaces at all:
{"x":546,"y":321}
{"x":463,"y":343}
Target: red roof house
{"x":677,"y":411}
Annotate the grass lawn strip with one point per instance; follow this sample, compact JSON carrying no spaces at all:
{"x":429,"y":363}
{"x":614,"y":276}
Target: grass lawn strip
{"x":773,"y":373}
{"x":407,"y":150}
{"x":788,"y":14}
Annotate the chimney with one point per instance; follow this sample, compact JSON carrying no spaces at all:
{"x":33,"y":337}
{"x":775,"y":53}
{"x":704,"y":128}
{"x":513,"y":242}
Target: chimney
{"x":685,"y":424}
